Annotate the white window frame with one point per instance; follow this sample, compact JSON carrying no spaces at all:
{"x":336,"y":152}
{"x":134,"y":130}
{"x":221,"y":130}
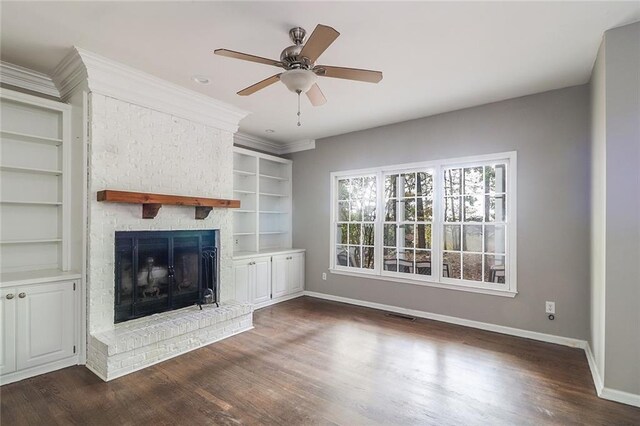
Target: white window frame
{"x":435,"y":279}
{"x":402,"y":275}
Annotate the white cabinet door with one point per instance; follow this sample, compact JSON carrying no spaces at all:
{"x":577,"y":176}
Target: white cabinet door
{"x":262,"y":271}
{"x":242,"y":280}
{"x":8,"y":331}
{"x":296,"y":273}
{"x":279,"y":272}
{"x":45,"y":328}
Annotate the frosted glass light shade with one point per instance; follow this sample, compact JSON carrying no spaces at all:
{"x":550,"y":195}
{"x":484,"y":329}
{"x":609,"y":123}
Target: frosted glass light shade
{"x":298,"y":80}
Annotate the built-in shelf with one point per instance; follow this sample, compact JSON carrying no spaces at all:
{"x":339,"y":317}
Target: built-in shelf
{"x":274,"y":177}
{"x":47,"y":240}
{"x":265,"y":189}
{"x":270,"y":194}
{"x":32,"y":203}
{"x":30,"y":138}
{"x":151,"y":203}
{"x":37,"y":196}
{"x":31,"y":170}
{"x":244,"y":211}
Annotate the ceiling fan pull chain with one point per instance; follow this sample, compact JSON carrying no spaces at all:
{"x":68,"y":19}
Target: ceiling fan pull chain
{"x":298,"y":91}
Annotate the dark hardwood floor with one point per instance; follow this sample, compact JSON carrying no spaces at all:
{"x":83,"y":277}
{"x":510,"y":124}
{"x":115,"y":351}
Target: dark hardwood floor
{"x":316,"y":362}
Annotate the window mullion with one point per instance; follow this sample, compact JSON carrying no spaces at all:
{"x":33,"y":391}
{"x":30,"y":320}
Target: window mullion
{"x":436,"y":228}
{"x":333,"y":222}
{"x":378,"y":241}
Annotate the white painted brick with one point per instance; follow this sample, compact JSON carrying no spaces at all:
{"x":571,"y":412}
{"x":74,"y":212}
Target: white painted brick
{"x":138,"y":149}
{"x":134,"y":148}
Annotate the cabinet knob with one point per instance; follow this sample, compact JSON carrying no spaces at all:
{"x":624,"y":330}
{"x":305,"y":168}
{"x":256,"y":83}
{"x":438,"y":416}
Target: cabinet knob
{"x":22,"y":295}
{"x":10,"y":296}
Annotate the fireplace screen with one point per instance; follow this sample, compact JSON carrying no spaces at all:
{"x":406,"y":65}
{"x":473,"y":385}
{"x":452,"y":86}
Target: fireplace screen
{"x":157,"y":271}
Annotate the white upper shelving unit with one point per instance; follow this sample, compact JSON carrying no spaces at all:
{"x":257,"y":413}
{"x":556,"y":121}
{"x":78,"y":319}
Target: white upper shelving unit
{"x":263,"y":184}
{"x":34,"y":201}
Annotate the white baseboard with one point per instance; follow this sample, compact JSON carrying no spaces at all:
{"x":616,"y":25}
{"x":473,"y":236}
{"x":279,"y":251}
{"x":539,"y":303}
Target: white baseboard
{"x":620,"y":396}
{"x":534,"y":335}
{"x":595,"y":373}
{"x":278,"y":300}
{"x":36,"y":371}
{"x":602,"y":392}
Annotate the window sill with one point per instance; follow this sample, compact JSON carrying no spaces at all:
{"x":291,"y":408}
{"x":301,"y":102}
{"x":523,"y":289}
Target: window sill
{"x":489,"y":291}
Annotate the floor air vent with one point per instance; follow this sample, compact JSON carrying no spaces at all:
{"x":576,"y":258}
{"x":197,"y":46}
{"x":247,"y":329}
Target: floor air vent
{"x":404,"y":317}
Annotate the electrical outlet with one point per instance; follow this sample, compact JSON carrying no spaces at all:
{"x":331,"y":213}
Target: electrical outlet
{"x":324,"y":276}
{"x":550,"y":307}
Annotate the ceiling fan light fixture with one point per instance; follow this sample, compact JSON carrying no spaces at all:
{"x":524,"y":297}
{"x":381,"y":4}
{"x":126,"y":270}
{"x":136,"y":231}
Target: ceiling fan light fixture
{"x":298,"y":81}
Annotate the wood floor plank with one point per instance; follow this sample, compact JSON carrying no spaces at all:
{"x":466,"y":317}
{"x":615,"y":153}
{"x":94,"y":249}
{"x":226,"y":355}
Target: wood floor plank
{"x":315,"y":362}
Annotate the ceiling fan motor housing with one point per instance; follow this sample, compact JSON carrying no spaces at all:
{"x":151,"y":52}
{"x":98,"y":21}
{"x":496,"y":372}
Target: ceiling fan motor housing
{"x":291,"y":58}
{"x":291,"y":55}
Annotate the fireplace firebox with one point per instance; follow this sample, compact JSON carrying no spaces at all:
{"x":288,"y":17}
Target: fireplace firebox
{"x":157,"y":271}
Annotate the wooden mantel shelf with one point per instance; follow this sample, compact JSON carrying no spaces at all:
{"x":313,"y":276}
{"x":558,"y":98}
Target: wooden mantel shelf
{"x":151,"y":203}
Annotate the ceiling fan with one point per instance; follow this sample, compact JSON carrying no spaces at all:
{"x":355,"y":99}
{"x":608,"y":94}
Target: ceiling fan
{"x":299,"y":63}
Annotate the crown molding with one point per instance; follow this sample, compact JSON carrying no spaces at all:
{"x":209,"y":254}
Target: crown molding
{"x":113,"y":79}
{"x":301,"y":145}
{"x":255,"y":142}
{"x":27,"y":79}
{"x":272,"y":147}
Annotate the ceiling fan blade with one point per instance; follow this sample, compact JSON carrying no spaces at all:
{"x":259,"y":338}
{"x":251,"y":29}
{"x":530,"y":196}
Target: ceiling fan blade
{"x":247,"y":57}
{"x":348,"y":73}
{"x":316,"y":96}
{"x":259,"y":85}
{"x":321,"y":38}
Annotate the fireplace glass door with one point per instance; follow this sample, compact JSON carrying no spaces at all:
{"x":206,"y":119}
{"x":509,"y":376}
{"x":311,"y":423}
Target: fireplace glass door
{"x":157,"y":271}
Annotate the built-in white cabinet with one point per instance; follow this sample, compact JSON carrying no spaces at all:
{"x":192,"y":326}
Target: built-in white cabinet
{"x":39,"y":328}
{"x":8,"y":331}
{"x":39,"y":243}
{"x":262,"y":183}
{"x":279,"y":275}
{"x":263,"y":280}
{"x":266,"y":269}
{"x":287,"y":274}
{"x":296,"y":273}
{"x":252,"y":280}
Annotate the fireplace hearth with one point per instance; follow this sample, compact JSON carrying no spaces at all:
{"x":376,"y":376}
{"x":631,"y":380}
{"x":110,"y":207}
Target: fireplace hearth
{"x":158,"y":271}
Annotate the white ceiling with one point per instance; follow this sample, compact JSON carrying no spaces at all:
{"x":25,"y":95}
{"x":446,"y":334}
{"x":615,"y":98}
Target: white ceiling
{"x":436,"y":57}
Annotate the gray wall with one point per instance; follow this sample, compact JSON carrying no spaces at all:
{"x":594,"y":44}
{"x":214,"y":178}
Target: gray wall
{"x":619,"y":156}
{"x":598,"y":210}
{"x":550,"y":133}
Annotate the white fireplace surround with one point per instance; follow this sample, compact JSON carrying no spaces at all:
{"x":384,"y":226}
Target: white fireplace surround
{"x":145,"y":134}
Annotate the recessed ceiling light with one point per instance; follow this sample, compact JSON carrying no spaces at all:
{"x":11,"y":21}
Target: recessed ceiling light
{"x":201,"y":79}
{"x":270,"y":131}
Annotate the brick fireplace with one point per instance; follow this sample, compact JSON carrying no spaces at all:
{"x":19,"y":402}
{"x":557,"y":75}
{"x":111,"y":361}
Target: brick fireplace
{"x":147,"y":135}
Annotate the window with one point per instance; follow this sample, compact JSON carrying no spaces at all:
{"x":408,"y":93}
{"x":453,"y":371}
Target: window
{"x":408,"y":217}
{"x":447,"y":224}
{"x":355,"y":225}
